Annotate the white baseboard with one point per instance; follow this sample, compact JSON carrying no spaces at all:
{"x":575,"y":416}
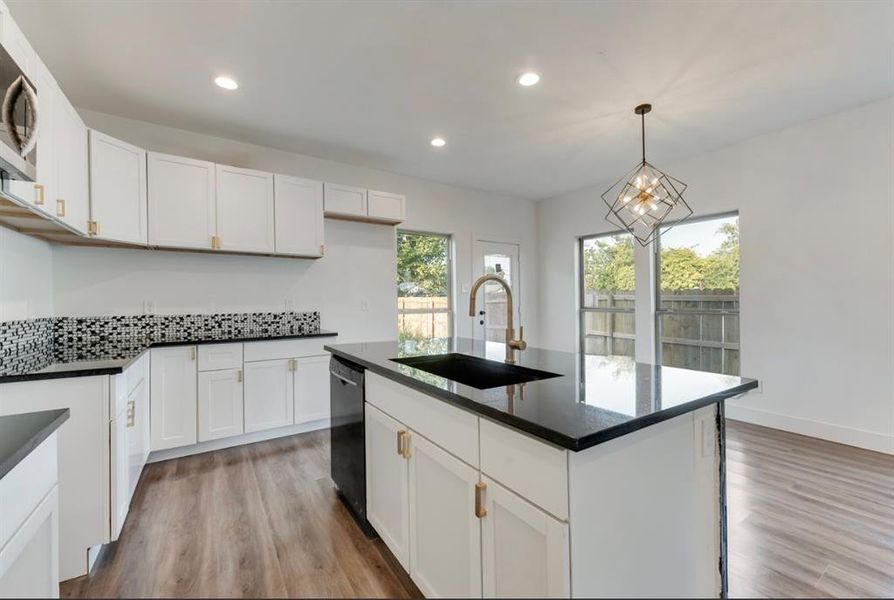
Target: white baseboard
{"x":237,"y":440}
{"x":860,"y":438}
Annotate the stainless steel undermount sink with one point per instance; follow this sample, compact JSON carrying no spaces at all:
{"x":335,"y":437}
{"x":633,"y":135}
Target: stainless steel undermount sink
{"x":473,"y":371}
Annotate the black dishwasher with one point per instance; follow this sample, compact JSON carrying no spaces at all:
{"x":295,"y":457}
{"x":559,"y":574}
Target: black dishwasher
{"x":347,"y":438}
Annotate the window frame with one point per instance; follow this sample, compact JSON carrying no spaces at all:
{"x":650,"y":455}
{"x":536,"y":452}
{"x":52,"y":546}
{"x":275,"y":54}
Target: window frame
{"x":583,"y":309}
{"x":449,"y":269}
{"x":659,"y":311}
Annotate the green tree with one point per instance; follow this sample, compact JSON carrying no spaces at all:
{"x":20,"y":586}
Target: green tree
{"x":608,"y":265}
{"x":421,"y":265}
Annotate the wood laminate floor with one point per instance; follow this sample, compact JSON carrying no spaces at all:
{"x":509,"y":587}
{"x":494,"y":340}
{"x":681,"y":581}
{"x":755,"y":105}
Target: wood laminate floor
{"x":807,"y":519}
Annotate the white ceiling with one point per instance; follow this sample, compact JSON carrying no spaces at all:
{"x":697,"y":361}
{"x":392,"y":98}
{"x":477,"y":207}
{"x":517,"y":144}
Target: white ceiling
{"x":372,"y":82}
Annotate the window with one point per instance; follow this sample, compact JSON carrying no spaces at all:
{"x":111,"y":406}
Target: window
{"x":698,"y":295}
{"x":607,"y":295}
{"x":423,"y":286}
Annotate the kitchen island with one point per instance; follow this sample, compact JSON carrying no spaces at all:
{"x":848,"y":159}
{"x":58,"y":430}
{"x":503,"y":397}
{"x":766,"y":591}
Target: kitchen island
{"x":598,"y":476}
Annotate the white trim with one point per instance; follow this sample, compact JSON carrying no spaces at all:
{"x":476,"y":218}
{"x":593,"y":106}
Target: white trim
{"x":237,"y":440}
{"x":860,"y":438}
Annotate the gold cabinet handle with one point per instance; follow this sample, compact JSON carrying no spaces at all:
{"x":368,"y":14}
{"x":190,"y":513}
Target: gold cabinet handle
{"x":192,"y":353}
{"x":39,"y":196}
{"x":293,"y":364}
{"x":60,"y":207}
{"x":403,"y":443}
{"x":322,"y":249}
{"x":131,"y":412}
{"x":215,"y":242}
{"x":239,"y":375}
{"x":480,"y":511}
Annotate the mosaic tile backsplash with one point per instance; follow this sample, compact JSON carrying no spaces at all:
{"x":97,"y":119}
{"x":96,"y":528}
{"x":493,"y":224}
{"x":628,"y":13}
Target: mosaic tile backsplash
{"x":66,"y":339}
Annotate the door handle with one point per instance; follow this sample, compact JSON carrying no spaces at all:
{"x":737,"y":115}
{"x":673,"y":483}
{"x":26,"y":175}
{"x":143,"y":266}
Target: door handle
{"x":343,"y":379}
{"x":480,"y":511}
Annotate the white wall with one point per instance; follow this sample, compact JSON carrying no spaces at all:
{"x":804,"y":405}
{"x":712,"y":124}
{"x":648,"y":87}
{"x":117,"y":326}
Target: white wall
{"x":26,"y":280}
{"x":359,"y":266}
{"x":816,"y":206}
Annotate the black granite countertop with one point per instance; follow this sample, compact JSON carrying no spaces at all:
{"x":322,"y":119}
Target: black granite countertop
{"x":21,"y":434}
{"x":113,"y":365}
{"x":595,"y":399}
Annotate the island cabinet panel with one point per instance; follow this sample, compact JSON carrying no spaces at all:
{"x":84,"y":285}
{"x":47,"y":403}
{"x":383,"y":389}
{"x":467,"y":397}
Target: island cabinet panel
{"x":29,"y":562}
{"x":451,"y":428}
{"x":387,"y":483}
{"x":220,"y":404}
{"x":83,"y":455}
{"x":533,"y":469}
{"x":524,"y":549}
{"x":649,"y":499}
{"x":445,"y":533}
{"x":181,"y":193}
{"x":269,"y":394}
{"x":174,"y":402}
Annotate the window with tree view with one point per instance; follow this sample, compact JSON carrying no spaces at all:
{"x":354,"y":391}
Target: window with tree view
{"x":607,"y":295}
{"x":423,"y":286}
{"x":698,"y":300}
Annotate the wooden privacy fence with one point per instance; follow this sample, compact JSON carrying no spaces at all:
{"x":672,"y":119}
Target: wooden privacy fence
{"x":424,"y":317}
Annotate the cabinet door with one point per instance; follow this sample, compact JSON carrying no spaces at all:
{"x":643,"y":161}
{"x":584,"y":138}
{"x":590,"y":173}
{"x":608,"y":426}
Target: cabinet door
{"x":299,"y":216}
{"x":525,"y":550}
{"x":386,"y":206}
{"x":71,"y":202}
{"x":344,"y":200}
{"x":173,"y":404}
{"x":387,"y":483}
{"x":445,"y":533}
{"x":245,"y":210}
{"x":43,"y":191}
{"x":220,"y":404}
{"x":138,"y":434}
{"x":269,"y":394}
{"x":120,"y":479}
{"x":29,"y":562}
{"x":117,"y":189}
{"x":181,"y":201}
{"x":312,"y":389}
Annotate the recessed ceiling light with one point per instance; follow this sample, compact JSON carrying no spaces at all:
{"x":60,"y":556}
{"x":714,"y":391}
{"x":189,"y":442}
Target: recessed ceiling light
{"x":438,"y":142}
{"x":528,"y":79}
{"x":227,"y":83}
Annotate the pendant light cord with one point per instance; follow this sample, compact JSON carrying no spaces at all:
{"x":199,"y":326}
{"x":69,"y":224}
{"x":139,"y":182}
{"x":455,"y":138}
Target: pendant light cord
{"x":643,"y":120}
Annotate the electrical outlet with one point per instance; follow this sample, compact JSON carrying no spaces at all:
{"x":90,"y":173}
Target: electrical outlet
{"x":148,"y":307}
{"x":364,"y":307}
{"x":289,"y":305}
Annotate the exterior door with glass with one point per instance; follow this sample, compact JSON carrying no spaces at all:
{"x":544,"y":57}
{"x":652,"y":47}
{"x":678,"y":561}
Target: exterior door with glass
{"x":501,"y":259}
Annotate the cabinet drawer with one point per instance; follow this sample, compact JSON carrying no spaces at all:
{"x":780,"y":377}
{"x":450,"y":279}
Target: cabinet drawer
{"x":386,"y":206}
{"x":344,"y":199}
{"x":534,"y":470}
{"x":454,"y":429}
{"x":216,"y":357}
{"x":22,"y":489}
{"x":294,"y":348}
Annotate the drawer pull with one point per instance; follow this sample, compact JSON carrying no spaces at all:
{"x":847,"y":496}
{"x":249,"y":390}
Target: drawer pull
{"x":131,"y":413}
{"x":480,"y":511}
{"x":39,"y":196}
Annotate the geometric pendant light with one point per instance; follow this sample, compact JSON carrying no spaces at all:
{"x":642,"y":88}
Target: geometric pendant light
{"x":642,"y":199}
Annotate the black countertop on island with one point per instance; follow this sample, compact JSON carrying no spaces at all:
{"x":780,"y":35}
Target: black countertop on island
{"x":595,"y":399}
{"x":21,"y":434}
{"x":113,"y":365}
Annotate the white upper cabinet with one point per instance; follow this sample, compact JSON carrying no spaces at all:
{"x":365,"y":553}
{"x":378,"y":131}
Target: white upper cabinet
{"x":71,"y":203}
{"x":181,"y":201}
{"x":16,"y":44}
{"x":117,"y":190}
{"x":386,"y":206}
{"x":345,"y":200}
{"x":245,"y":210}
{"x":299,"y":216}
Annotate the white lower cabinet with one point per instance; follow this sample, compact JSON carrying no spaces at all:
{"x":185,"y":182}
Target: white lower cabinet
{"x":524,"y":550}
{"x":445,"y":533}
{"x":387,"y":483}
{"x":311,"y":389}
{"x":269,"y":394}
{"x":174,"y":397}
{"x":220,"y":404}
